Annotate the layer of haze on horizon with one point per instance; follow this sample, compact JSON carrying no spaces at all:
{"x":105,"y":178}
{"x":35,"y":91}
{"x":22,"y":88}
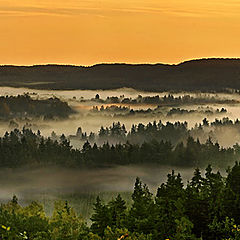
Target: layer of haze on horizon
{"x":86,"y":32}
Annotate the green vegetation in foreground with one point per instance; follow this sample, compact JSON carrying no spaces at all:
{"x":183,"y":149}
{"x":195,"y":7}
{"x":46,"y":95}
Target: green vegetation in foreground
{"x":81,"y":202}
{"x":207,"y":208}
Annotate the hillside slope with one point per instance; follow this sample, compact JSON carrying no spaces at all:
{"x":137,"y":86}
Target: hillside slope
{"x":203,"y":74}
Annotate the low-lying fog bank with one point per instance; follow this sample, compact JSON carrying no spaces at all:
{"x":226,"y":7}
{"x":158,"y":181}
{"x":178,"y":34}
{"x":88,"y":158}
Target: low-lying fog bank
{"x":80,"y":187}
{"x":88,"y":94}
{"x":33,"y":183}
{"x":91,"y":122}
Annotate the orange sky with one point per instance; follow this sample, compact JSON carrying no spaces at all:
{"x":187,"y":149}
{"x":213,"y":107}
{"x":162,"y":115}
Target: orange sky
{"x":85,"y":32}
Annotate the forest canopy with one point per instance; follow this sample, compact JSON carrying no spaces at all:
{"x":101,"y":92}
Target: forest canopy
{"x":26,"y":148}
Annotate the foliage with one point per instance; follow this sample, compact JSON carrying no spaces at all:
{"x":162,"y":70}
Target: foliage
{"x":207,"y":208}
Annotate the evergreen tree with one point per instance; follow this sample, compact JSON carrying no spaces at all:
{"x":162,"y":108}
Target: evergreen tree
{"x":117,"y":211}
{"x":100,"y":218}
{"x":141,"y":213}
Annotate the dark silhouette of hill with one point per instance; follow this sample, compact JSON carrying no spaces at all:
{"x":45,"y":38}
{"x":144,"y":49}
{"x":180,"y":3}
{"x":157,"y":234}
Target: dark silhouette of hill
{"x":202,"y":74}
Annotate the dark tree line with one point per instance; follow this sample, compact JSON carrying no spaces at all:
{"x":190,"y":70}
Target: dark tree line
{"x":138,"y":134}
{"x":23,"y":106}
{"x":174,"y":132}
{"x":26,"y":148}
{"x":167,"y":100}
{"x":115,"y":111}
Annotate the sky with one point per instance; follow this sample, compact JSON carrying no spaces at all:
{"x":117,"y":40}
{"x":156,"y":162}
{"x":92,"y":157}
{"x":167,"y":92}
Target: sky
{"x":87,"y":32}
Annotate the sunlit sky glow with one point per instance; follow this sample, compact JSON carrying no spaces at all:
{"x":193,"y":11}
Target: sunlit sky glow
{"x":86,"y":32}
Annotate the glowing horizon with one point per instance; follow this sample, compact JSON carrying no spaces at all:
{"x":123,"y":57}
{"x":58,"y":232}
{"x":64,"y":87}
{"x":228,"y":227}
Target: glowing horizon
{"x":90,"y":32}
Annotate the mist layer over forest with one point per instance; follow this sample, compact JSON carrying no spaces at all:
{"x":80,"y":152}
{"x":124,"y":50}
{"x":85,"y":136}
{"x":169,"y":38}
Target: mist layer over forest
{"x":92,"y":110}
{"x":43,"y":184}
{"x":135,"y":122}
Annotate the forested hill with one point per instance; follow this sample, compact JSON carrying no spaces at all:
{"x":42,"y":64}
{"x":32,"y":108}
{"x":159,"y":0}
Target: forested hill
{"x":203,"y":74}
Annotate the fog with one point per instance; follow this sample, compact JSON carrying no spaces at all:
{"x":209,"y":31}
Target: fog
{"x":92,"y":122}
{"x":51,"y":182}
{"x":88,"y":94}
{"x":80,"y":186}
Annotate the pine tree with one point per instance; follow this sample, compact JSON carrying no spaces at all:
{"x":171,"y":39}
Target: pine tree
{"x":100,"y":219}
{"x":117,"y":210}
{"x":141,"y":213}
{"x":169,"y":206}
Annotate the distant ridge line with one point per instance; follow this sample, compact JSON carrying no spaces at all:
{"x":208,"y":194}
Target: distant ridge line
{"x":121,"y":63}
{"x":207,"y":74}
